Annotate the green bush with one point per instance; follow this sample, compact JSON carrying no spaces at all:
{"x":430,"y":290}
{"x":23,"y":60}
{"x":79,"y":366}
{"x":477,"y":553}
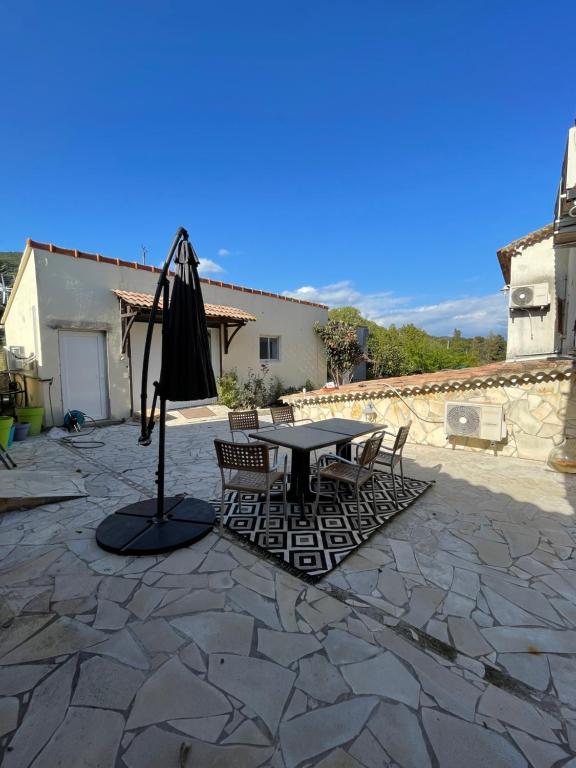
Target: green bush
{"x":229,"y":390}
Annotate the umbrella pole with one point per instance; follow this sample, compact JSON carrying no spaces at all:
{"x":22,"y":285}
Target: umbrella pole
{"x":163,"y":524}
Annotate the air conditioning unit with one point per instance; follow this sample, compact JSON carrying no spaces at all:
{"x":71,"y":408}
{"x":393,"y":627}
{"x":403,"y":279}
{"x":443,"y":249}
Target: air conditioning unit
{"x":480,"y":420}
{"x":534,"y":296}
{"x":18,"y":361}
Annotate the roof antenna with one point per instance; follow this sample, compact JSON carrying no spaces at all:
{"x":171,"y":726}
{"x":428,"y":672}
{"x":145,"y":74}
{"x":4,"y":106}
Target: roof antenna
{"x":144,"y":253}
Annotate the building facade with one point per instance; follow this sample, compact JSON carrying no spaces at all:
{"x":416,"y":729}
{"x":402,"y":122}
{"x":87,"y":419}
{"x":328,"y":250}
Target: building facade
{"x":81,"y":318}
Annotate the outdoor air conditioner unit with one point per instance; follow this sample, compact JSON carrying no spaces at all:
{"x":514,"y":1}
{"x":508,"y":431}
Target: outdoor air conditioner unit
{"x":536,"y":296}
{"x":480,"y":420}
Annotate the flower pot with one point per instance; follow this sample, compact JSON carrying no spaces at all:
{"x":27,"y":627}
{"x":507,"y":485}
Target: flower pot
{"x":11,"y":438}
{"x":5,"y":427}
{"x":21,"y":430}
{"x":32,"y":415}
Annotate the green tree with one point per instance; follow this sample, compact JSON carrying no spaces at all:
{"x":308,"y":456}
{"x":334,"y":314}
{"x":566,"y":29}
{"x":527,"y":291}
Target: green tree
{"x":343,"y":352}
{"x":349,"y":315}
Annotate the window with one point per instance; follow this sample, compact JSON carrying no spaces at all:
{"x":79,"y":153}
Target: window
{"x":269,"y":348}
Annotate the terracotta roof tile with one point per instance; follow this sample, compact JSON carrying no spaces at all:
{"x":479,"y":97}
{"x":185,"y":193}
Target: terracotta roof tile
{"x":145,"y":301}
{"x":148,"y":268}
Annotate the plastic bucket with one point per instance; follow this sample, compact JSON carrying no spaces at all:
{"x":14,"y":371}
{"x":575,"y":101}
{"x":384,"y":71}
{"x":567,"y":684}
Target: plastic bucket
{"x":5,"y":428}
{"x":21,"y":430}
{"x":32,"y":415}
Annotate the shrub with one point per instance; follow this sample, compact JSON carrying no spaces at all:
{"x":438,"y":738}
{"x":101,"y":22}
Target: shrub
{"x":229,"y":390}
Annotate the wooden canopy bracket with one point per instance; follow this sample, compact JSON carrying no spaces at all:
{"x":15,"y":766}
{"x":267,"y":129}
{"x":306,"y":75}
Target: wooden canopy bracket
{"x":128,"y":319}
{"x":228,"y":339}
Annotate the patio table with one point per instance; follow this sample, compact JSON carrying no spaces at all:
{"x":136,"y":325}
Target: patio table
{"x":306,"y":438}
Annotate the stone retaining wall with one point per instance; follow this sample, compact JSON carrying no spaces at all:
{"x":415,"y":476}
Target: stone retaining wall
{"x":539,"y":408}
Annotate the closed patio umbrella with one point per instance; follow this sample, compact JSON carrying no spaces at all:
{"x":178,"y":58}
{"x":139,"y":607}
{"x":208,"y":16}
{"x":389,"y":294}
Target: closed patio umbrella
{"x":162,"y":524}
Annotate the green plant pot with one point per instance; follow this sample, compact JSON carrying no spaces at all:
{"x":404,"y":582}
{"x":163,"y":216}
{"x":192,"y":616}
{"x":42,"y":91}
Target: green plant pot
{"x":32,"y":415}
{"x":5,"y":429}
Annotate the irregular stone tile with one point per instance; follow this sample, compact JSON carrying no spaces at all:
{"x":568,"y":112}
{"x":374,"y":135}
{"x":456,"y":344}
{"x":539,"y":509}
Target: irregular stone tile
{"x":344,"y":648}
{"x":29,"y":569}
{"x":92,"y":736}
{"x":298,"y":704}
{"x":423,"y":605}
{"x":19,"y":631}
{"x":439,"y":630}
{"x":532,"y":602}
{"x":115,"y":588}
{"x":530,"y":669}
{"x":457,"y":605}
{"x":218,"y":632}
{"x":286,"y":647}
{"x":123,"y":647}
{"x":522,"y":540}
{"x":110,"y":615}
{"x":532,"y":566}
{"x":435,"y":571}
{"x":368,"y":751}
{"x":331,"y":609}
{"x":62,"y":637}
{"x":404,"y":556}
{"x":45,"y":712}
{"x":216,"y":561}
{"x":467,"y":637}
{"x":383,"y":675}
{"x":338,"y":759}
{"x":398,"y":731}
{"x":506,"y":612}
{"x":200,"y":600}
{"x":311,"y":616}
{"x":501,"y":705}
{"x":67,"y":588}
{"x":324,"y":728}
{"x":392,"y":586}
{"x":192,"y":657}
{"x":482,"y":619}
{"x":75,"y":606}
{"x":320,"y":679}
{"x":204,"y":728}
{"x":182,"y":561}
{"x":564,"y":676}
{"x":247,"y":578}
{"x":364,"y":582}
{"x":457,"y":743}
{"x":174,"y":692}
{"x":490,"y":552}
{"x":256,"y":605}
{"x":539,"y":753}
{"x":286,"y":598}
{"x":156,"y":747}
{"x":145,"y":600}
{"x":157,"y":636}
{"x":106,"y":684}
{"x":9,"y":706}
{"x":236,"y":676}
{"x":18,"y":679}
{"x":247,"y":733}
{"x":450,"y":691}
{"x":184,"y":581}
{"x":530,"y":639}
{"x":109,"y":564}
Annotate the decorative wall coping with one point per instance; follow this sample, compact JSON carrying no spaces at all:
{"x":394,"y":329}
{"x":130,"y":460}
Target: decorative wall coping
{"x":492,"y":375}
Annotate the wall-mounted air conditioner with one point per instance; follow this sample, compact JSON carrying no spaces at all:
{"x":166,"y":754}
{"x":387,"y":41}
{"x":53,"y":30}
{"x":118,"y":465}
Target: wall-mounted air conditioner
{"x":535,"y":296}
{"x":18,"y":361}
{"x":481,"y":420}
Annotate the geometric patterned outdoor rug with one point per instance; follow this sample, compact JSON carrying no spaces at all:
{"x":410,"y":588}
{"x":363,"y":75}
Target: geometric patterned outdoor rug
{"x":312,"y":548}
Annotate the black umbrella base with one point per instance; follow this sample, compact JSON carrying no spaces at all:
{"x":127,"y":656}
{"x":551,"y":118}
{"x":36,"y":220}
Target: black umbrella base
{"x":134,"y":530}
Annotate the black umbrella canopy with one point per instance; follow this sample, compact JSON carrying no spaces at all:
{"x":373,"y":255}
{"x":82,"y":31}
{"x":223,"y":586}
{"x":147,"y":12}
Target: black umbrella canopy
{"x":187,"y":372}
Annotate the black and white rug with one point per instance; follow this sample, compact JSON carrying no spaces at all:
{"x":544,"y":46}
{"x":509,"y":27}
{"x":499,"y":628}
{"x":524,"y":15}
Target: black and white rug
{"x":312,"y":548}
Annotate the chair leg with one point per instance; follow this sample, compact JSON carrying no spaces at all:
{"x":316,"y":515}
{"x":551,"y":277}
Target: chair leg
{"x":239,"y":503}
{"x":374,"y":497}
{"x":402,"y":474}
{"x":317,"y":499}
{"x":394,"y":487}
{"x":267,"y":513}
{"x":358,"y":509}
{"x":222,"y":506}
{"x":284,"y":507}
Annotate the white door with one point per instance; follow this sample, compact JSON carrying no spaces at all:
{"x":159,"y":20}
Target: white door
{"x":84,"y":372}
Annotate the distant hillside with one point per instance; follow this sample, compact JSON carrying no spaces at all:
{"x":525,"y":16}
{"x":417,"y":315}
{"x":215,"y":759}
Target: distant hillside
{"x":9,"y":261}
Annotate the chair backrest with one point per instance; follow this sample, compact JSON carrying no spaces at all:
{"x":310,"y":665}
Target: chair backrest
{"x":252,"y":457}
{"x":370,"y":450}
{"x":243,"y":420}
{"x":283,"y":414}
{"x":401,"y":437}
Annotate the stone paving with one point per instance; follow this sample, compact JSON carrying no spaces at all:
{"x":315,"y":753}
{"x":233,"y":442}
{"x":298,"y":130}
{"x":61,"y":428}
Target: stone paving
{"x":447,"y":640}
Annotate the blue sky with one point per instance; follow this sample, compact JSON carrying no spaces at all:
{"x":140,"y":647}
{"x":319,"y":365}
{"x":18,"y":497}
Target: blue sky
{"x":371,"y":152}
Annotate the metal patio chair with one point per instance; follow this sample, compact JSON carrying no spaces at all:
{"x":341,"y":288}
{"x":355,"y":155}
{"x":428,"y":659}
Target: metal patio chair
{"x":391,"y":456}
{"x":355,"y":473}
{"x":284,"y":414}
{"x":249,"y":471}
{"x":243,"y":422}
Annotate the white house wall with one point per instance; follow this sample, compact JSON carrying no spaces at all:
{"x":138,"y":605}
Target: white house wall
{"x":76,"y":293}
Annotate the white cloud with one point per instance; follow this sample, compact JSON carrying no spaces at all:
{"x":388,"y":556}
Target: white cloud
{"x":471,"y":314}
{"x":223,"y":252}
{"x":209,"y":267}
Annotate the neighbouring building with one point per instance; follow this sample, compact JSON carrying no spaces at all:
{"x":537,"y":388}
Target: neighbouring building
{"x":540,"y":274}
{"x":83,"y":318}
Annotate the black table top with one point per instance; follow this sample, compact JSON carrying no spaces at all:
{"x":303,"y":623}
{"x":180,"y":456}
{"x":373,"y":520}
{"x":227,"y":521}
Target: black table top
{"x":350,"y":427}
{"x":319,"y":434}
{"x":304,"y":438}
